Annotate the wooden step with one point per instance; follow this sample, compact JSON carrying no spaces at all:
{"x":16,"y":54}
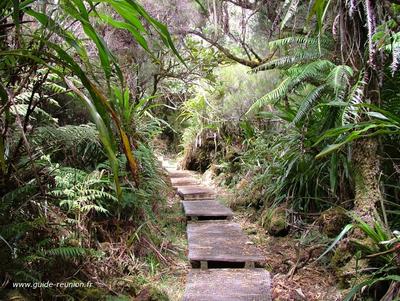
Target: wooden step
{"x":228,"y":285}
{"x":206,"y":209}
{"x":194,"y":192}
{"x":186,"y":181}
{"x":221,"y":244}
{"x":173,"y":173}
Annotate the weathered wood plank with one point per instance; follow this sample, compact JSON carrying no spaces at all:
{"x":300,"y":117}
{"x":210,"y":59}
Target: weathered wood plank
{"x":186,"y":181}
{"x":178,"y":173}
{"x":206,"y":208}
{"x":221,"y":241}
{"x":195,"y":192}
{"x":228,"y":285}
{"x":214,"y":227}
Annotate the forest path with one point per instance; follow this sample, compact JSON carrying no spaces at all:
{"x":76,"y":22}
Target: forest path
{"x":225,"y":264}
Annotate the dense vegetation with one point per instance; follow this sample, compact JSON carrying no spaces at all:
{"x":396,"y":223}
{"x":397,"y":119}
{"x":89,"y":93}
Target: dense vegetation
{"x":295,"y":107}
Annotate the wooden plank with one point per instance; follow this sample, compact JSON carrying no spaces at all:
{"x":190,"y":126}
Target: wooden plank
{"x":214,"y":227}
{"x":185,"y":181}
{"x":195,"y":192}
{"x":178,"y":173}
{"x":221,"y":241}
{"x":206,"y":208}
{"x":228,"y":285}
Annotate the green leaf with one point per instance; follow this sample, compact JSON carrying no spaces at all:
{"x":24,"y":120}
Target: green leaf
{"x":105,"y":135}
{"x":333,"y":172}
{"x":329,"y":149}
{"x":369,"y":282}
{"x":337,"y":239}
{"x":53,"y":26}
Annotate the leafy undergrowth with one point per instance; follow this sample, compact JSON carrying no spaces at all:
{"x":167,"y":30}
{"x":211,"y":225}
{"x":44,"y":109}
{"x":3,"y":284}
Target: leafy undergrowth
{"x":169,"y":277}
{"x":146,"y":262}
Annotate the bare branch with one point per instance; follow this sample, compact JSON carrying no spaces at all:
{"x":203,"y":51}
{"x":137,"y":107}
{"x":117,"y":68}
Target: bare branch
{"x":229,"y":54}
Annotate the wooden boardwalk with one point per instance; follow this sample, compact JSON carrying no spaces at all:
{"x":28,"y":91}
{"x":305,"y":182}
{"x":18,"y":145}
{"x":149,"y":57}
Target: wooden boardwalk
{"x":206,"y":209}
{"x":195,"y":192}
{"x":228,"y":285}
{"x":221,"y":243}
{"x":223,"y":259}
{"x":178,"y":182}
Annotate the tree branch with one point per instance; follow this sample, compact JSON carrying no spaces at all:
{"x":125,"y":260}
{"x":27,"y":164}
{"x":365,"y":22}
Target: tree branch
{"x":229,"y":54}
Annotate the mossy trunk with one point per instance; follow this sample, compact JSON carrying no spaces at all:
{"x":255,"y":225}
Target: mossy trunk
{"x":367,"y":190}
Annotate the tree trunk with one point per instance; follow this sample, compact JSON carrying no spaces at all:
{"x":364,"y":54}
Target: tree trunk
{"x":366,"y":171}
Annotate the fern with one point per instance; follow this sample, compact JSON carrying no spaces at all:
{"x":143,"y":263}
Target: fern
{"x":81,"y":140}
{"x":71,"y":252}
{"x":302,"y":41}
{"x":298,"y":57}
{"x":273,"y":96}
{"x":16,"y":196}
{"x":339,"y":77}
{"x":80,"y":192}
{"x":308,"y":103}
{"x":39,"y":114}
{"x":351,"y":111}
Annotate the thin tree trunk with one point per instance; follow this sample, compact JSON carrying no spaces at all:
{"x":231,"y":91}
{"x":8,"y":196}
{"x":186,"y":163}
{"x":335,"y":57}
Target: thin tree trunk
{"x":367,"y":189}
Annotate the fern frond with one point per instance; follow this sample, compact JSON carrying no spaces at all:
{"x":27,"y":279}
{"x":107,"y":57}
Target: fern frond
{"x":308,"y":103}
{"x":17,"y":195}
{"x":70,"y":252}
{"x":340,"y":77}
{"x":274,"y":95}
{"x":55,"y":88}
{"x":298,"y":57}
{"x":351,"y":111}
{"x":39,"y":114}
{"x":301,"y":42}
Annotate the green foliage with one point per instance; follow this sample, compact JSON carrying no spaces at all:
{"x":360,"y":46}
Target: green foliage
{"x":381,"y":254}
{"x":66,"y":182}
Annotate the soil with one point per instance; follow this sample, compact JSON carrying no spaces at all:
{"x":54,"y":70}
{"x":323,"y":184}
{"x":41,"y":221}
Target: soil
{"x":295,"y":274}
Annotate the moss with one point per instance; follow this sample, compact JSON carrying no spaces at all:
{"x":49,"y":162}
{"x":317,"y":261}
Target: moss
{"x":152,"y":294}
{"x":275,"y":222}
{"x":345,"y":264}
{"x":332,"y":221}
